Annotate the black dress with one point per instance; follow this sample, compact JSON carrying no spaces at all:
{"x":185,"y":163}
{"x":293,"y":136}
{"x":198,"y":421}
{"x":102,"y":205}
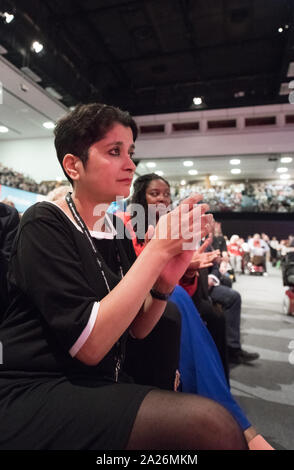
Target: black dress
{"x":9,"y":221}
{"x":49,"y":399}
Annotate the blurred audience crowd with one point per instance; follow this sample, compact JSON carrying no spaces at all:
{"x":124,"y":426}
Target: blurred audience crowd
{"x":14,"y":179}
{"x":240,"y":250}
{"x":252,"y":197}
{"x":242,"y":197}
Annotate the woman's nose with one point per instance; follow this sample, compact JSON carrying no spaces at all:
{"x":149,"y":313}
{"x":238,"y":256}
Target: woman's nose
{"x":130,"y":165}
{"x":161,"y":199}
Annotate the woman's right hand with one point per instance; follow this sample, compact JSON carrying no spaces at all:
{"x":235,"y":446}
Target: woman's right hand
{"x":177,"y":235}
{"x":182,"y":228}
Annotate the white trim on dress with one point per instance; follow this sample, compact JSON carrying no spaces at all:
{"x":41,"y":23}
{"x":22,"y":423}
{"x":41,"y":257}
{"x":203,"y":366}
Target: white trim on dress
{"x":86,"y":332}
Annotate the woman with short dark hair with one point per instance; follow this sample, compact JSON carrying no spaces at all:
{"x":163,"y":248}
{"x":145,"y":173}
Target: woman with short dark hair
{"x":77,"y":293}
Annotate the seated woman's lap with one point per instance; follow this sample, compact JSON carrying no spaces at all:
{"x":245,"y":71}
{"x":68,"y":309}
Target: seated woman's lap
{"x":68,"y":414}
{"x":73,"y":415}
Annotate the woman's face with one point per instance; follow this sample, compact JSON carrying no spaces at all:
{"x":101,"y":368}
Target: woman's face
{"x":158,"y":192}
{"x":109,"y":169}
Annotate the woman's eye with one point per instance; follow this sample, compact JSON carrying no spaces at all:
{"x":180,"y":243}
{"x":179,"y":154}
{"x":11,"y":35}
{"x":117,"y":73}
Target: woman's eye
{"x":132,"y":154}
{"x":115,"y":151}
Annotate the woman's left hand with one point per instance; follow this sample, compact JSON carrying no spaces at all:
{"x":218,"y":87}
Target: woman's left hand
{"x":178,"y":265}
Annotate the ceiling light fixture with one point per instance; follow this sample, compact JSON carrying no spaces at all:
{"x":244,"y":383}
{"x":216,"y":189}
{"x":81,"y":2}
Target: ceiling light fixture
{"x":236,"y":171}
{"x":286,"y":159}
{"x":31,"y":74}
{"x":188,"y":163}
{"x":197,"y":100}
{"x":280,"y":30}
{"x":285,"y":176}
{"x":213,"y":178}
{"x":282,"y":170}
{"x":235,"y":161}
{"x":151,"y":164}
{"x":193,"y":172}
{"x":183,"y":182}
{"x":37,"y":47}
{"x":4,"y":129}
{"x":159,"y":173}
{"x":53,"y":92}
{"x":8,"y":17}
{"x":48,"y":125}
{"x":239,"y":94}
{"x":290,"y":72}
{"x":284,"y":88}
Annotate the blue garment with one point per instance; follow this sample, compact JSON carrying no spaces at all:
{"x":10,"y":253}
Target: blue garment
{"x":118,"y":205}
{"x":200,"y":366}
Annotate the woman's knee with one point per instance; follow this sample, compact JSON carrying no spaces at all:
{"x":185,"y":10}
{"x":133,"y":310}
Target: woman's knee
{"x":231,"y":435}
{"x":169,"y":420}
{"x":222,"y":430}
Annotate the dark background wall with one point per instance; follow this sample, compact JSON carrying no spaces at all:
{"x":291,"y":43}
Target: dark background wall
{"x":280,"y":225}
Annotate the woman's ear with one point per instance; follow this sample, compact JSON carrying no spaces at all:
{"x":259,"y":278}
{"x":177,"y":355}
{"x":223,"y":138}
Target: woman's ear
{"x":72,"y":165}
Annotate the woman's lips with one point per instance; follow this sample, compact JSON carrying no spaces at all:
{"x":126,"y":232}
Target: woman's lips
{"x":126,"y":180}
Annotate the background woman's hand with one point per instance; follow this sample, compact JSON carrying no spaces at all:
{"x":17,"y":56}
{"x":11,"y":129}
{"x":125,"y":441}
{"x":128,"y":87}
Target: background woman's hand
{"x":202,"y":259}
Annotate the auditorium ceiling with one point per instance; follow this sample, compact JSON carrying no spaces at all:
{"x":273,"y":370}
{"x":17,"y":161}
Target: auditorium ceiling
{"x":154,"y":56}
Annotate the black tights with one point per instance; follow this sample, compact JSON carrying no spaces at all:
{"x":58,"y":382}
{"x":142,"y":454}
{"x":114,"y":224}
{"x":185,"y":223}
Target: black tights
{"x":168,"y":420}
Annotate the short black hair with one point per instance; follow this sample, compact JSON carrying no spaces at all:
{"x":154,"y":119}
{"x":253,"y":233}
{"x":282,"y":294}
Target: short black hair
{"x":85,"y":125}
